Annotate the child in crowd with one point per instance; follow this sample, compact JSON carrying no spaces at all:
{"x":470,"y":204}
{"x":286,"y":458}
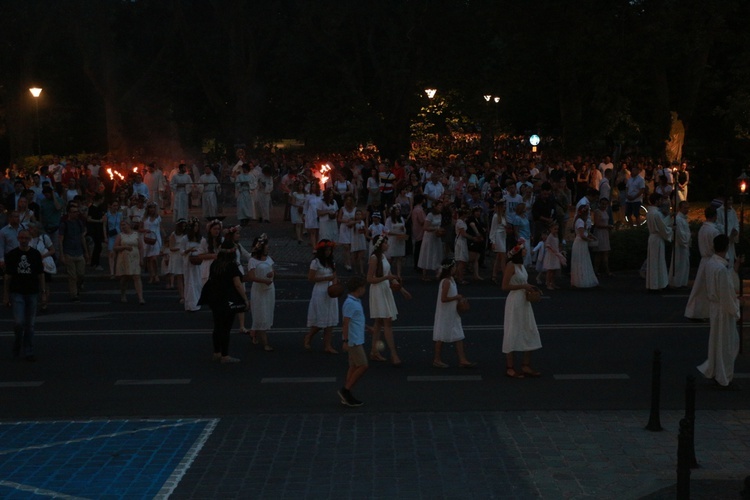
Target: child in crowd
{"x":376,"y":229}
{"x":359,"y":242}
{"x":538,"y":253}
{"x":554,"y":259}
{"x":354,"y":338}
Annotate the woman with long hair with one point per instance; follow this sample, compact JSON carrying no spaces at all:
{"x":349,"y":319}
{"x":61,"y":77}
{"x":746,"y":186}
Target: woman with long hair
{"x":313,"y":202}
{"x":382,"y":306}
{"x":151,"y":225}
{"x":581,"y":270}
{"x":227,"y":288}
{"x":461,"y":248}
{"x":431,"y":253}
{"x":395,"y":228}
{"x":447,"y":326}
{"x":213,"y":241}
{"x":193,"y":249}
{"x":323,"y":311}
{"x":520,"y":332}
{"x":346,"y":223}
{"x":233,"y":234}
{"x":297,"y":202}
{"x":498,"y":238}
{"x":111,"y":221}
{"x":176,"y":267}
{"x":129,"y":248}
{"x":327,"y":220}
{"x":263,"y":293}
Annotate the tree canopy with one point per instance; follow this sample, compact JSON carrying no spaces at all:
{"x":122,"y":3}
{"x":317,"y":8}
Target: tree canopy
{"x":169,"y":76}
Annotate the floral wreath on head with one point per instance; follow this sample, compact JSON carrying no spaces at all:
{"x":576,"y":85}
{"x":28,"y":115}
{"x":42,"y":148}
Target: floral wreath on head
{"x":232,"y":230}
{"x":448,"y":265}
{"x":193,"y":221}
{"x":520,"y":243}
{"x":379,"y":241}
{"x":324,"y":244}
{"x":215,"y":222}
{"x":262,"y":240}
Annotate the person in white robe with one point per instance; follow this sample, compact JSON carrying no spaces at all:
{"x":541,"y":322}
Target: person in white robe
{"x":265,"y":188}
{"x":246,"y":184}
{"x":208,"y":185}
{"x":724,"y":306}
{"x":180,"y":183}
{"x":697,"y":306}
{"x":659,"y":232}
{"x":679,"y":269}
{"x":732,"y":230}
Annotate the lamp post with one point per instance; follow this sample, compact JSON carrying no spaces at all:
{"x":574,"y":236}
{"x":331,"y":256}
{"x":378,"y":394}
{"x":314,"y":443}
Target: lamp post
{"x":534,"y":140}
{"x":430,"y":92}
{"x":36,"y":92}
{"x":743,"y":180}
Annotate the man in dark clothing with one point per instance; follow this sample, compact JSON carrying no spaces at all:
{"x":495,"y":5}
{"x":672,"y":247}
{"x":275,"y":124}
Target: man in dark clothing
{"x":24,"y":279}
{"x":74,"y":249}
{"x":543,"y":210}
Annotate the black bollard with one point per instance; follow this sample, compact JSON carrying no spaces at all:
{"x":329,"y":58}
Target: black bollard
{"x":690,"y":417}
{"x":654,"y":422}
{"x":683,"y":466}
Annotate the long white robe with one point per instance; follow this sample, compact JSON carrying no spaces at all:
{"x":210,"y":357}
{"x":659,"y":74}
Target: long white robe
{"x":180,"y":184}
{"x":697,"y":306}
{"x":656,"y":264}
{"x":208,"y":185}
{"x":679,"y":269}
{"x":723,"y":340}
{"x":246,"y":184}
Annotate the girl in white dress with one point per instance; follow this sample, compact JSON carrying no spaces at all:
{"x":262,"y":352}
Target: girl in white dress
{"x":310,"y":209}
{"x":263,"y":293}
{"x":359,"y":242}
{"x":497,"y":238}
{"x":195,"y":247}
{"x":395,"y":228}
{"x":431,"y":253}
{"x":554,"y":259}
{"x":327,"y":217}
{"x":519,"y":326}
{"x":176,"y":267}
{"x":297,"y":202}
{"x":346,"y":223}
{"x":382,"y":306}
{"x":461,"y":248}
{"x":323,"y":311}
{"x":581,"y":270}
{"x":602,"y":227}
{"x":151,"y":228}
{"x":447,"y":326}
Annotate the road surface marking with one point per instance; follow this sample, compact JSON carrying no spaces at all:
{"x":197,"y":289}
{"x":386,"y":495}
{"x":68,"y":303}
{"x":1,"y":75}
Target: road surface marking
{"x":21,"y":384}
{"x":34,"y":491}
{"x":297,"y":380}
{"x":187,"y":460}
{"x":592,"y":376}
{"x":155,"y":381}
{"x":444,"y":378}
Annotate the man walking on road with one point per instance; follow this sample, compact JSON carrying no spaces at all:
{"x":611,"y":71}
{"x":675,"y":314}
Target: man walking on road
{"x":354,"y":338}
{"x":724,"y":306}
{"x":74,"y":249}
{"x":24,"y":279}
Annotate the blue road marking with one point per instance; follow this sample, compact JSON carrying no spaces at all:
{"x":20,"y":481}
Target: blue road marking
{"x":98,"y":459}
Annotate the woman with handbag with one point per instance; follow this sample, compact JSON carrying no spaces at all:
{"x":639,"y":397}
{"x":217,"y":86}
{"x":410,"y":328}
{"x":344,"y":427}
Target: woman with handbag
{"x":323,"y":311}
{"x":152,"y":239}
{"x":225,"y":296}
{"x":260,"y":272}
{"x":447,"y":326}
{"x":519,"y":325}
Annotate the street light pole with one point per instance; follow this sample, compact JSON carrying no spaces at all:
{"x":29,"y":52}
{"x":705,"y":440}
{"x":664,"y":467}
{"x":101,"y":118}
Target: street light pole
{"x":36,"y":92}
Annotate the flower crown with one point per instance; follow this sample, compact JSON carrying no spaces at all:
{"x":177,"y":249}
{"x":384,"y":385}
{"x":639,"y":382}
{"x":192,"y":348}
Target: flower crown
{"x":232,"y":230}
{"x":262,"y":240}
{"x":379,"y":241}
{"x":448,"y":265}
{"x":324,"y":244}
{"x":519,"y":246}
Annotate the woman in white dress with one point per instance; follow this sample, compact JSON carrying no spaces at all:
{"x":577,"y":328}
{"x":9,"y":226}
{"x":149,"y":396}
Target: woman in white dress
{"x":602,"y":227}
{"x":519,"y":326}
{"x":498,"y":237}
{"x":262,"y":293}
{"x":382,"y":306}
{"x":395,"y":228}
{"x":195,"y":247}
{"x":431,"y":253}
{"x":313,"y":200}
{"x":129,"y":248}
{"x":176,"y":267}
{"x":151,"y":228}
{"x":461,"y":247}
{"x":447,"y":326}
{"x":297,"y":202}
{"x":581,"y":270}
{"x":346,"y":223}
{"x":327,"y":217}
{"x":323,"y":311}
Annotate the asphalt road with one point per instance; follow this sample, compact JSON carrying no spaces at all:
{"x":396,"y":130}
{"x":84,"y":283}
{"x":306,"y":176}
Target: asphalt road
{"x":100,"y":359}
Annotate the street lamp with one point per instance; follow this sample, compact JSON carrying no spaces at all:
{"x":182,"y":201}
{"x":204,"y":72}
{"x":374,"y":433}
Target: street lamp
{"x":36,"y":92}
{"x":487,"y":97}
{"x":430,"y":92}
{"x":496,"y":99}
{"x":534,"y":140}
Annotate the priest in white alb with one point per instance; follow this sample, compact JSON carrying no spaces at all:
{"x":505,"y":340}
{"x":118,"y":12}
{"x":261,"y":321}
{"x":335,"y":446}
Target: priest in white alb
{"x":724,"y":311}
{"x":697,"y":306}
{"x":660,"y":232}
{"x":679,"y":268}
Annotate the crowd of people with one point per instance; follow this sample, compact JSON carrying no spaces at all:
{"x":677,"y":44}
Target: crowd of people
{"x":522,"y":212}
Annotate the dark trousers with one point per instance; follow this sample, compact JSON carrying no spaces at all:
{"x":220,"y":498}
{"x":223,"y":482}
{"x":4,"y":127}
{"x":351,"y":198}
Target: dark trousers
{"x":223,"y":319}
{"x":417,"y":248}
